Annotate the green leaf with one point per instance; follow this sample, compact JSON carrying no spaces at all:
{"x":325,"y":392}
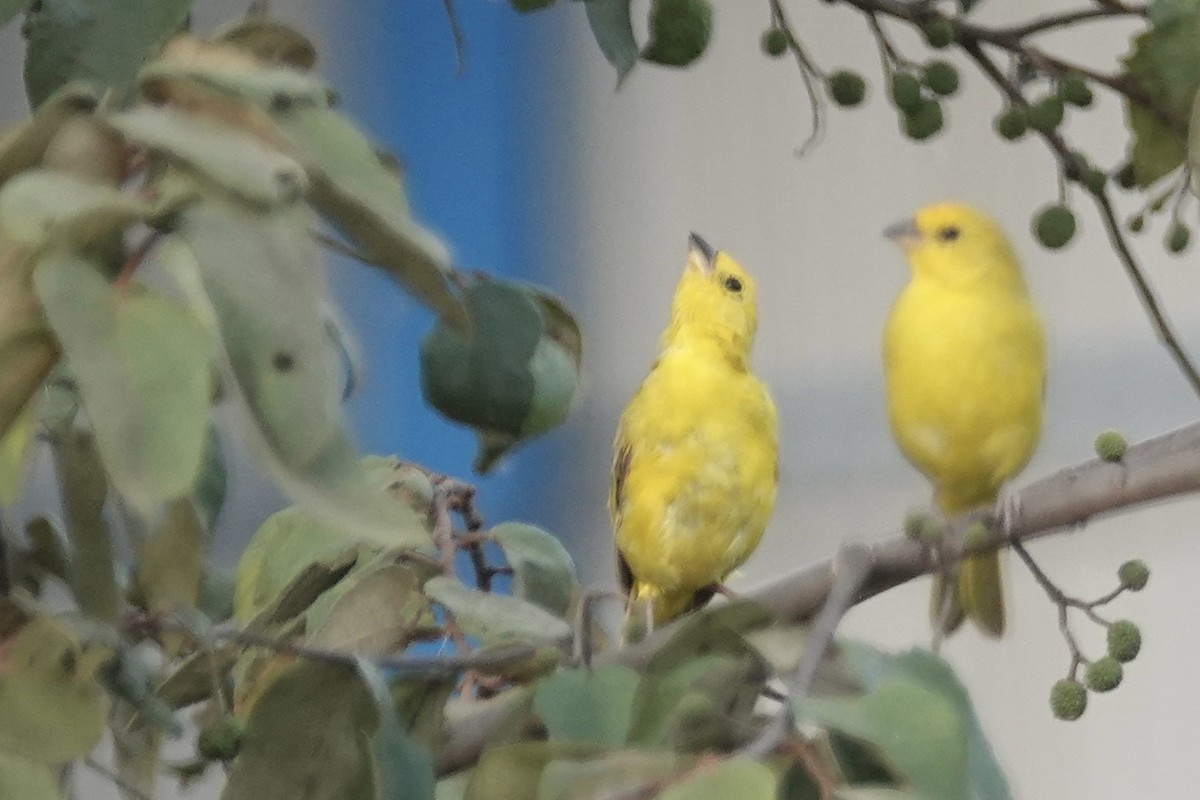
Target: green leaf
{"x":453,"y":787}
{"x":737,"y":777}
{"x":28,"y":349}
{"x":8,"y":10}
{"x":515,"y":770}
{"x":612,"y":28}
{"x":402,"y":768}
{"x":543,"y":570}
{"x":27,"y":779}
{"x":496,"y":617}
{"x":607,"y":774}
{"x":421,"y":702}
{"x":142,"y":365}
{"x":258,"y":280}
{"x":1165,"y":64}
{"x":512,"y":378}
{"x":372,"y":611}
{"x":280,"y":551}
{"x":14,"y":455}
{"x":309,"y":735}
{"x":362,"y":194}
{"x":170,"y":562}
{"x":84,"y":489}
{"x":917,"y":715}
{"x":221,"y":157}
{"x":102,"y":40}
{"x":40,"y":207}
{"x":212,"y":482}
{"x":588,"y":705}
{"x":22,"y":148}
{"x":52,"y":709}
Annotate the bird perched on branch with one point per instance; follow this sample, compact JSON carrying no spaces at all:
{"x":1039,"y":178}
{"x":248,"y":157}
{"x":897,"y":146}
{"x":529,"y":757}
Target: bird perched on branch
{"x":696,"y":453}
{"x":965,"y":363}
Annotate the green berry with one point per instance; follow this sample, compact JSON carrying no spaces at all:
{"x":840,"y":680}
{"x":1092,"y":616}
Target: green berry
{"x":1073,"y":90}
{"x":221,"y":740}
{"x":1054,"y":226}
{"x":938,"y":33}
{"x":1125,"y":177}
{"x":679,"y":31}
{"x":923,"y":121}
{"x":921,"y":527}
{"x":1046,"y":114}
{"x":775,"y":42}
{"x":1134,"y":575}
{"x":941,"y":77}
{"x":1178,"y":237}
{"x":1136,"y":223}
{"x":976,"y":536}
{"x":1011,"y":123}
{"x":1104,"y":674}
{"x":1068,"y":699}
{"x":906,"y":91}
{"x":1111,"y":446}
{"x":529,"y":6}
{"x":1124,"y":640}
{"x":1094,"y":180}
{"x":846,"y":87}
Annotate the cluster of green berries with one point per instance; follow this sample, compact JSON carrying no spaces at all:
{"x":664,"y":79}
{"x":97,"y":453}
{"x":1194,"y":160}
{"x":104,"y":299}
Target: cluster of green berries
{"x":1047,"y":112}
{"x":1178,"y":236}
{"x":1068,"y":697}
{"x":916,"y":95}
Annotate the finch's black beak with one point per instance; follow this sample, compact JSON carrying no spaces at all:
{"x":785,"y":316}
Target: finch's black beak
{"x":701,"y":254}
{"x":904,"y":233}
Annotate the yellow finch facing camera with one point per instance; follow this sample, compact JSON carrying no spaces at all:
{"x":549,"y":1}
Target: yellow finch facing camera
{"x":696,"y":454}
{"x":965,"y":362}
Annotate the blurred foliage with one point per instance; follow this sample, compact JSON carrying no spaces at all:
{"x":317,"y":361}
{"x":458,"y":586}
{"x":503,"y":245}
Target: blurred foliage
{"x":162,"y":215}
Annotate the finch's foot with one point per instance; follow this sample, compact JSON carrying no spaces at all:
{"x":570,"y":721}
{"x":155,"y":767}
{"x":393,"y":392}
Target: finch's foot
{"x":1007,"y":512}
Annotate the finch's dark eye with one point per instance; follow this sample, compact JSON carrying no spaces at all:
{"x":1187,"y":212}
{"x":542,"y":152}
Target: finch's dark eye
{"x":733,"y":284}
{"x":948,"y":233}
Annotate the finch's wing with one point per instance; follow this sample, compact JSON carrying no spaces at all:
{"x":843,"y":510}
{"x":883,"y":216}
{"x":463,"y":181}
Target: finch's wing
{"x":622,"y":456}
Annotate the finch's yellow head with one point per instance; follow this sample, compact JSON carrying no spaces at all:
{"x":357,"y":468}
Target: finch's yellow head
{"x":715,"y":301}
{"x":956,"y":245}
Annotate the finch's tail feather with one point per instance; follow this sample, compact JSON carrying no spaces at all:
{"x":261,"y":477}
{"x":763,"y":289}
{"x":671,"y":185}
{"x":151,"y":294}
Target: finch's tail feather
{"x":981,"y":592}
{"x":649,"y":607}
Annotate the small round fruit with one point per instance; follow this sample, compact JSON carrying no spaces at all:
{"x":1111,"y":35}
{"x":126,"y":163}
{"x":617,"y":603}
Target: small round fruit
{"x":1068,"y":699}
{"x":1124,"y":640}
{"x":1073,"y":90}
{"x":1111,"y":446}
{"x":1046,"y":114}
{"x":775,"y":42}
{"x":1054,"y":226}
{"x":1178,"y":237}
{"x":938,"y":33}
{"x":923,"y":121}
{"x":847,"y":88}
{"x":1134,"y":575}
{"x":941,"y":77}
{"x":1125,"y":177}
{"x":1136,"y":223}
{"x":1094,"y":179}
{"x":1012,"y":123}
{"x":1104,"y":674}
{"x":906,"y":91}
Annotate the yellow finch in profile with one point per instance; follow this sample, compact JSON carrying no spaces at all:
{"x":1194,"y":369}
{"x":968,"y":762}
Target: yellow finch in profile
{"x":965,"y":363}
{"x":696,"y":453}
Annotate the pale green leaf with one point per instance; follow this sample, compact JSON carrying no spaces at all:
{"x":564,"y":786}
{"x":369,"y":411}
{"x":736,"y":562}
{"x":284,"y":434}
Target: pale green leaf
{"x":372,"y":611}
{"x":102,"y":40}
{"x":40,"y":208}
{"x":515,"y":770}
{"x":403,"y":769}
{"x":28,"y":780}
{"x":607,"y":774}
{"x":221,"y":156}
{"x":14,"y":455}
{"x":142,"y":363}
{"x":495,"y":617}
{"x":363,"y":195}
{"x":543,"y":570}
{"x":259,"y":282}
{"x":612,"y":28}
{"x":736,"y":777}
{"x":22,"y":147}
{"x":52,"y":709}
{"x":588,"y":705}
{"x":171,"y":560}
{"x":8,"y":10}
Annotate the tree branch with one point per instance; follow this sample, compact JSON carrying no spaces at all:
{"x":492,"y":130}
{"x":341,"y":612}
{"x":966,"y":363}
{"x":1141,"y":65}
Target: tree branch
{"x":1069,"y":18}
{"x":1163,"y":467}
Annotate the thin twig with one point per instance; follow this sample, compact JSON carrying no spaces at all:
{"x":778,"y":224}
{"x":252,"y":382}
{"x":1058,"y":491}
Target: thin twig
{"x":851,"y":568}
{"x":1147,"y":297}
{"x":807,"y":70}
{"x":460,"y":41}
{"x":1068,"y":18}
